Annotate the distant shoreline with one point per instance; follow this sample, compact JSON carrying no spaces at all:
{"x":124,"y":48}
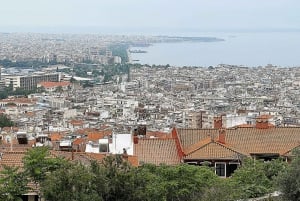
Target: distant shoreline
{"x":167,"y":39}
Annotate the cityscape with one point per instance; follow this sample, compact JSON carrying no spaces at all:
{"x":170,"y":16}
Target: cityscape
{"x":82,"y":118}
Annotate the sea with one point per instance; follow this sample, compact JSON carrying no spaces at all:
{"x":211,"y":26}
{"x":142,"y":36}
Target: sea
{"x":249,"y":49}
{"x":280,"y":47}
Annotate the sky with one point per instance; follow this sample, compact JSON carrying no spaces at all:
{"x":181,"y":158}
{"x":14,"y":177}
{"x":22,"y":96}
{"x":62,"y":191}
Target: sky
{"x":149,"y":15}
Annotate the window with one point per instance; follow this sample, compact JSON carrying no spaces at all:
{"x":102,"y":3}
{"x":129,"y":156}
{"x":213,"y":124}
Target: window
{"x":220,"y":169}
{"x":231,"y":167}
{"x":103,"y":148}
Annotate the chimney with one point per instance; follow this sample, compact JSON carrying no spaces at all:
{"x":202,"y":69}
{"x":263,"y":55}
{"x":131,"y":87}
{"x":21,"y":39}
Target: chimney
{"x":222,"y":136}
{"x":262,"y":123}
{"x":218,"y":124}
{"x":135,"y":136}
{"x":135,"y":139}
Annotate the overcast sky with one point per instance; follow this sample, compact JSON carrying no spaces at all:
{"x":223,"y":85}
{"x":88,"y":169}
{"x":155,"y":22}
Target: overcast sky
{"x":206,"y":15}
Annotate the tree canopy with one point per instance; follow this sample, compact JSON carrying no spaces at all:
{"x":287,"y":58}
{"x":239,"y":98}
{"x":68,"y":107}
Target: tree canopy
{"x":5,"y":121}
{"x":114,"y":179}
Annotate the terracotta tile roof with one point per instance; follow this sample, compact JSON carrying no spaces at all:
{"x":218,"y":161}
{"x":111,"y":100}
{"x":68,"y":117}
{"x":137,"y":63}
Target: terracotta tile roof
{"x":54,"y":84}
{"x":247,"y":140}
{"x":78,"y":141}
{"x":12,"y":158}
{"x":198,"y":145}
{"x":85,"y":130}
{"x":19,"y":100}
{"x":245,"y":126}
{"x":157,"y":151}
{"x":72,"y":156}
{"x":189,"y":137}
{"x":264,"y":116}
{"x":76,"y":122}
{"x":92,"y":136}
{"x":96,"y":156}
{"x":214,"y":150}
{"x":158,"y":134}
{"x":56,"y":136}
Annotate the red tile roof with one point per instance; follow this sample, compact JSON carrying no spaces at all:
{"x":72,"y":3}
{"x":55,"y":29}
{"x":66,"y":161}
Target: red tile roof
{"x":158,"y":134}
{"x":157,"y":151}
{"x":12,"y":158}
{"x":54,"y":84}
{"x":246,"y":140}
{"x":76,"y":122}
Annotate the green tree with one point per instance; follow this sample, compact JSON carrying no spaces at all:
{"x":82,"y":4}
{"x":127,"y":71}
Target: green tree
{"x":222,"y":190}
{"x":250,"y":180}
{"x":74,"y":182}
{"x":13,"y":183}
{"x":5,"y":121}
{"x":59,"y":89}
{"x":38,"y":163}
{"x":170,"y":183}
{"x":288,"y":180}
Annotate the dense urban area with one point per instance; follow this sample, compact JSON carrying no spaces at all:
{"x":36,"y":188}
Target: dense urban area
{"x":80,"y":120}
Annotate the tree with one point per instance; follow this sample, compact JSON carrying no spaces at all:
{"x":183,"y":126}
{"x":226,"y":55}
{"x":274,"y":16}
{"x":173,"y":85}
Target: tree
{"x":74,"y":182}
{"x":183,"y":182}
{"x":288,"y":180}
{"x":59,"y":89}
{"x":38,"y":163}
{"x":13,"y":183}
{"x":250,"y":180}
{"x":5,"y":121}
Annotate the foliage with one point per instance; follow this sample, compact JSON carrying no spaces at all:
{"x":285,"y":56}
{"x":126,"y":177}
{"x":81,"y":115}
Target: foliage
{"x":13,"y":183}
{"x":75,"y":182}
{"x":120,"y":50}
{"x":5,"y":121}
{"x":8,"y":91}
{"x":222,"y":190}
{"x":250,"y":180}
{"x":37,"y":163}
{"x":26,"y":64}
{"x":114,"y":179}
{"x":288,"y":181}
{"x":185,"y":182}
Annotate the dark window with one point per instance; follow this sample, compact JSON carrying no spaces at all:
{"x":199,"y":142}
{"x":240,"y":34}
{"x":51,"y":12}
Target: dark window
{"x":220,"y":169}
{"x":103,"y":148}
{"x":231,"y":168}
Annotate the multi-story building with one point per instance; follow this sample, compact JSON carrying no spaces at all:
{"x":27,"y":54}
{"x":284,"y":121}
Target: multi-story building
{"x":29,"y":82}
{"x":193,"y":120}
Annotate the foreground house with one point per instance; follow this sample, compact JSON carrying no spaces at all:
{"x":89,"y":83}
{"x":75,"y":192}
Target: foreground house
{"x":220,"y":148}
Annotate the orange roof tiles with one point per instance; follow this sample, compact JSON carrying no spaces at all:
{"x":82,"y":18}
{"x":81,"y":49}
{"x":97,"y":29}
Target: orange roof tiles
{"x":54,"y":84}
{"x":76,"y":122}
{"x":157,"y":151}
{"x":98,"y":135}
{"x":264,"y":116}
{"x":55,"y":136}
{"x":158,"y":134}
{"x":19,"y":100}
{"x":12,"y":158}
{"x":78,"y":141}
{"x":247,"y":140}
{"x":245,"y":126}
{"x":213,"y":151}
{"x":198,"y":145}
